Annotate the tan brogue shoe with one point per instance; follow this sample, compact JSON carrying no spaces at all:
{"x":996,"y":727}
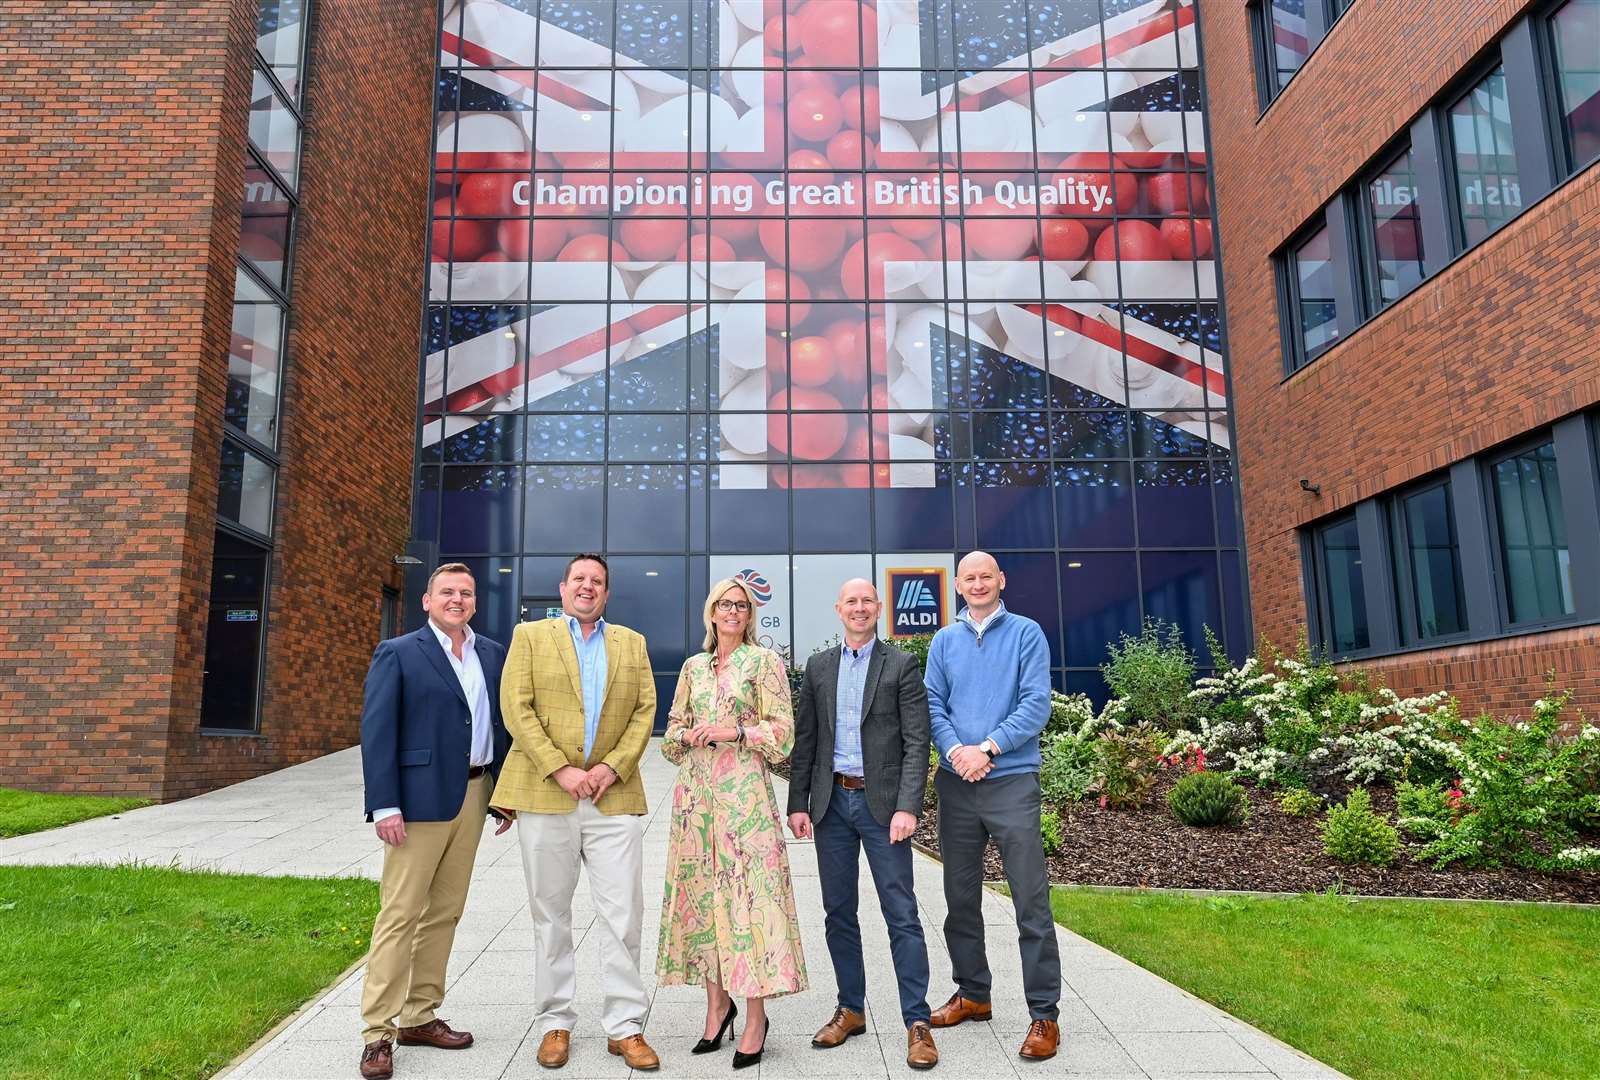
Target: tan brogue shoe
{"x":435,"y":1033}
{"x":920,"y":1051}
{"x":635,"y":1051}
{"x":959,"y":1009}
{"x":377,"y":1060}
{"x":554,"y":1047}
{"x":1043,"y":1038}
{"x":845,"y":1023}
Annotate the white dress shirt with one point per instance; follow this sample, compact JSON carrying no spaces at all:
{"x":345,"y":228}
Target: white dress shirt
{"x":469,"y":672}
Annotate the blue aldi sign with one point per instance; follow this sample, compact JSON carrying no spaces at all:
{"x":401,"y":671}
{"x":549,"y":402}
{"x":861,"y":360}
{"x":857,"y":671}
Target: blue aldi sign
{"x":916,"y":600}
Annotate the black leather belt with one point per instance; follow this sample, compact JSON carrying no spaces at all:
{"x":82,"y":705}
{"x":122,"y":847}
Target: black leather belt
{"x":476,"y":771}
{"x":848,"y":782}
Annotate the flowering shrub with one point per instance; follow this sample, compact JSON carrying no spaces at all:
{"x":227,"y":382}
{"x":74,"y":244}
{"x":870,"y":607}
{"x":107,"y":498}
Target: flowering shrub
{"x":1524,"y":791}
{"x":1068,"y":767}
{"x":1354,"y":833}
{"x":1395,"y":737}
{"x":1424,"y":811}
{"x":1578,"y":858}
{"x":1152,"y":674}
{"x":1208,"y":799}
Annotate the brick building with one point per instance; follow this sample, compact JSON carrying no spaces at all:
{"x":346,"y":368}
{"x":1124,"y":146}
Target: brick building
{"x":1408,"y":201}
{"x":789,"y":291}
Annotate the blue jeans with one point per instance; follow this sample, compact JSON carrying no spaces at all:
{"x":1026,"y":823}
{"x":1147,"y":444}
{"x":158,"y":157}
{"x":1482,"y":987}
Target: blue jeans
{"x":846,"y":827}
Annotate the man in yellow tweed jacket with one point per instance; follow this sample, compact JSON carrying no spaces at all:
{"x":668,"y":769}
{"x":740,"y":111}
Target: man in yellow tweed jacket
{"x":580,"y":703}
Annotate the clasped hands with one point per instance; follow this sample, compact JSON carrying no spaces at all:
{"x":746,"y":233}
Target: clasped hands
{"x":706,"y":734}
{"x":588,"y":784}
{"x":970,"y":763}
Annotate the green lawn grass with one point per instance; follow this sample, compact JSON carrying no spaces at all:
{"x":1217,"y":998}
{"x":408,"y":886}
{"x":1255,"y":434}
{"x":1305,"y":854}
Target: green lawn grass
{"x":24,"y":812}
{"x":1376,"y":988}
{"x":152,"y":972}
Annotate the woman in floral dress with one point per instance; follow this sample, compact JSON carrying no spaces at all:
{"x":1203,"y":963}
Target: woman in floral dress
{"x":728,"y":919}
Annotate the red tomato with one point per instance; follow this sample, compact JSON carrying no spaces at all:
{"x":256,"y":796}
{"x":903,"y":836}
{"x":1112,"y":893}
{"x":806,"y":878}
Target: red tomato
{"x":846,"y":149}
{"x":652,"y":239}
{"x":591,"y":247}
{"x":454,"y":241}
{"x":884,"y":247}
{"x":694,"y":249}
{"x":818,"y":436}
{"x":772,"y":38}
{"x":994,"y":237}
{"x":851,"y":103}
{"x":1181,"y":244}
{"x":780,"y":285}
{"x":489,"y":195}
{"x":831,"y":36}
{"x":1132,"y":241}
{"x":954,"y":246}
{"x":777,"y":358}
{"x":814,"y":244}
{"x":828,"y":82}
{"x":814,"y":115}
{"x":848,"y":337}
{"x":1176,"y":193}
{"x":1063,"y":238}
{"x":811,"y":361}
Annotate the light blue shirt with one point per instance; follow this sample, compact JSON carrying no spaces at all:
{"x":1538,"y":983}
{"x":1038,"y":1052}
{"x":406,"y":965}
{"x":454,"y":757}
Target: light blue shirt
{"x":851,"y":686}
{"x":591,"y":674}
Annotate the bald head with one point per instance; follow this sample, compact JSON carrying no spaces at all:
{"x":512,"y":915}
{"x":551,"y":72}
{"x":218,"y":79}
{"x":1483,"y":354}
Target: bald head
{"x":980,"y":582}
{"x":858,"y":611}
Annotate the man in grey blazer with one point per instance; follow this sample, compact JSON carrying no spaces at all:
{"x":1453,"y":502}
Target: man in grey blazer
{"x":857,"y":773}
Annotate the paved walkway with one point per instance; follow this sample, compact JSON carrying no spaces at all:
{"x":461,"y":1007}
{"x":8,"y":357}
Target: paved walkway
{"x":1118,"y":1021}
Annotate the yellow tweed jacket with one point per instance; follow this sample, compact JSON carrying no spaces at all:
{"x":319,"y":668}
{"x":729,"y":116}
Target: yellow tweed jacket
{"x":541,"y":698}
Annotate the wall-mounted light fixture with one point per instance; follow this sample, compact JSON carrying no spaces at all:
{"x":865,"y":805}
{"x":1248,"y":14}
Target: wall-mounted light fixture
{"x":1307,"y":485}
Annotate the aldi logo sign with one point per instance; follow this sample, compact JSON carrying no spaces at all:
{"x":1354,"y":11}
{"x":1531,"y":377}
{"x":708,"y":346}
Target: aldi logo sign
{"x":916,"y":600}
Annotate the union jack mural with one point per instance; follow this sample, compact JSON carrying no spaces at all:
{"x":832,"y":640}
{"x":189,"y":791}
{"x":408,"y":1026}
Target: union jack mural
{"x":826,"y":225}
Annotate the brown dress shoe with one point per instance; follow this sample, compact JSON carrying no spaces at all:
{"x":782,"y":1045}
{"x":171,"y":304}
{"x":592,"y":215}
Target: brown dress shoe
{"x":958,"y":1009}
{"x":635,"y":1051}
{"x":377,"y":1060}
{"x":1043,"y":1038}
{"x":920,"y":1051}
{"x":845,"y":1023}
{"x":553,"y":1048}
{"x":435,"y":1033}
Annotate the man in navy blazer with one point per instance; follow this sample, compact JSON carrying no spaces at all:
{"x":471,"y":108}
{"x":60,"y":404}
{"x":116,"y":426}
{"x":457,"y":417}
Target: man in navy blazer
{"x":432,"y":743}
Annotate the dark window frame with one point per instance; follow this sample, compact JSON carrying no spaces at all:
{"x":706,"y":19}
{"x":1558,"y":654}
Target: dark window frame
{"x":1410,"y":630}
{"x":1319,"y":606}
{"x":1567,"y":166}
{"x":1366,"y":227}
{"x":1321,"y":17}
{"x":1461,"y":88}
{"x":1296,"y":356}
{"x":266,"y":548}
{"x":1497,"y":549}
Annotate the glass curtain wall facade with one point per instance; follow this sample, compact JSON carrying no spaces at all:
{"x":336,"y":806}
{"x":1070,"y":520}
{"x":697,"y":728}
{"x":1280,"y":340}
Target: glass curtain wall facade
{"x":799,"y":292}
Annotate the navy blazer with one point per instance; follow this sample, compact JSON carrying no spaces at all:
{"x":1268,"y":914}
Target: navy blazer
{"x":416,"y":726}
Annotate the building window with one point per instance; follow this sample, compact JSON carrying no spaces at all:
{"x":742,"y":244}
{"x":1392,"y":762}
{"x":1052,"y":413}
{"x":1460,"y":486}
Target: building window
{"x":1392,"y":231}
{"x":1575,"y":49}
{"x":1285,"y":42}
{"x":1487,"y":188}
{"x":231,"y":682}
{"x":1340,"y":589}
{"x":1533,"y":536}
{"x":389,"y":615}
{"x":1313,"y":312}
{"x":1429,"y":561}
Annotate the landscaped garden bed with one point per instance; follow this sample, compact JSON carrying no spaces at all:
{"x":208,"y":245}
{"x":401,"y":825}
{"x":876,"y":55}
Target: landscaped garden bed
{"x":1311,"y":780}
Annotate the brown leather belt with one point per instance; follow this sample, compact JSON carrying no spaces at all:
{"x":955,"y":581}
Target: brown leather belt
{"x":848,"y":782}
{"x":476,"y":771}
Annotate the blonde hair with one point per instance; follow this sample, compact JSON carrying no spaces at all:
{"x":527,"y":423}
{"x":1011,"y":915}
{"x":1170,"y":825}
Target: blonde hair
{"x":713,"y":596}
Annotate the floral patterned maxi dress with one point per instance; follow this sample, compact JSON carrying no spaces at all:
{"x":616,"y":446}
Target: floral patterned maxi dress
{"x":728,"y":914}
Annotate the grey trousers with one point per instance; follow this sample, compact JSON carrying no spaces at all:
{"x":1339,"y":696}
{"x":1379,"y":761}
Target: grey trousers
{"x":1006,"y":808}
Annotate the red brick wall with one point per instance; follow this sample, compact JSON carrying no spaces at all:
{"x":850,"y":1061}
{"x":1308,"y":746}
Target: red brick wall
{"x":1498,"y":343}
{"x":349,"y":409}
{"x":119,"y":219}
{"x":122,"y":120}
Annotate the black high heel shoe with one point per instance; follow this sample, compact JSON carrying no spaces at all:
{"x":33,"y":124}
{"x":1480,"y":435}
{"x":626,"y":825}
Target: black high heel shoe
{"x":707,"y":1046}
{"x":742,"y":1060}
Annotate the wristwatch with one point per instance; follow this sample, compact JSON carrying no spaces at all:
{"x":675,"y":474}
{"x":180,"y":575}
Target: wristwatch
{"x":990,"y":749}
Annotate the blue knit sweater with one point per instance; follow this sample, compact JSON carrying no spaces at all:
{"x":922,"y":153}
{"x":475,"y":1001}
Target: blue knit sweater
{"x":993,"y":685}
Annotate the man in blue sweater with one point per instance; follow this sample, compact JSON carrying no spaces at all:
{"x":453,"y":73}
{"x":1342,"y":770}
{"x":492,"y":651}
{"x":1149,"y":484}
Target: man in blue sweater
{"x":988,"y":699}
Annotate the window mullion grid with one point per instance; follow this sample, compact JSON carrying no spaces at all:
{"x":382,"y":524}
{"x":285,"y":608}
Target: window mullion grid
{"x":1377,"y":579}
{"x":1580,"y":496}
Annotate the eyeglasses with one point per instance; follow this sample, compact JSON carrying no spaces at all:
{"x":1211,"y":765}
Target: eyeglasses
{"x":726,"y":606}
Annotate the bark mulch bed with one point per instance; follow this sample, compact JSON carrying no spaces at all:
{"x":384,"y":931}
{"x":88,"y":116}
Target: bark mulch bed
{"x":1146,"y":847}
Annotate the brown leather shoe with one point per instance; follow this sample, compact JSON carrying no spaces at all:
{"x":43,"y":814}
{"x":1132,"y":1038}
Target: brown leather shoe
{"x":920,"y":1051}
{"x":1043,"y":1038}
{"x":377,"y":1060}
{"x":635,"y":1051}
{"x":845,"y":1023}
{"x":958,"y":1009}
{"x":553,"y":1048}
{"x":435,"y":1033}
